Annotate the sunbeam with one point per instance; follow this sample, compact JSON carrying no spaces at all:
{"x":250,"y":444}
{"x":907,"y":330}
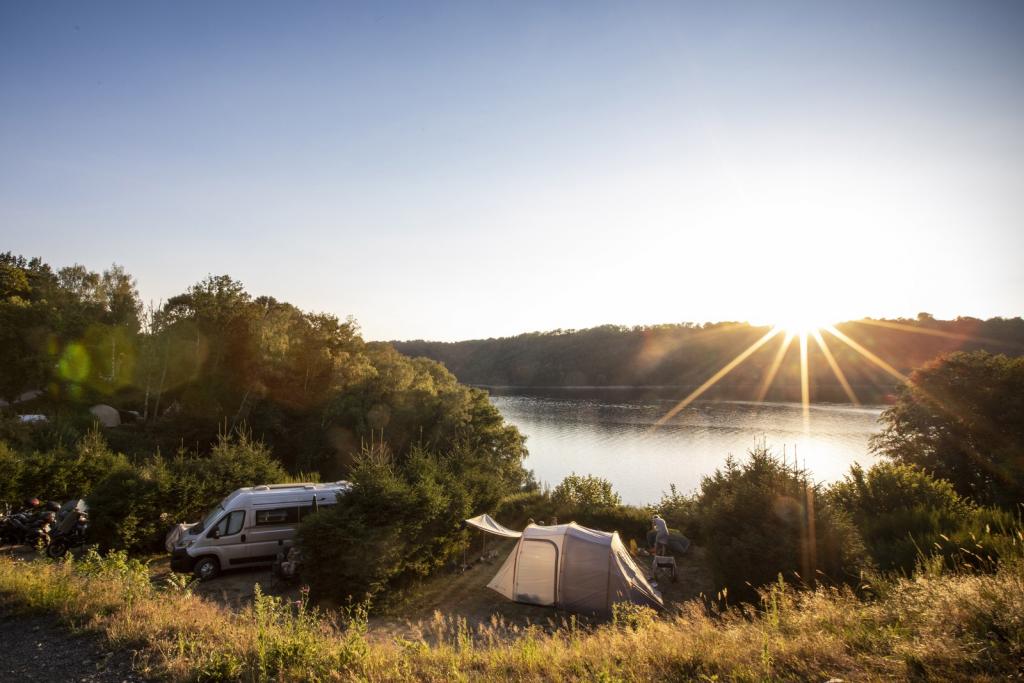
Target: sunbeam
{"x":729,"y":367}
{"x":831,"y":329}
{"x":836,"y":370}
{"x":774,"y":369}
{"x":805,"y":387}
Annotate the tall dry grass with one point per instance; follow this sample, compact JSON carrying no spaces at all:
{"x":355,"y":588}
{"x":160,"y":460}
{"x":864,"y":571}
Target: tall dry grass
{"x":938,"y":625}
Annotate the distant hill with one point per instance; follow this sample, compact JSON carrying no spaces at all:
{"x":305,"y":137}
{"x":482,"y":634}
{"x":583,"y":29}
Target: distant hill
{"x":682,"y":356}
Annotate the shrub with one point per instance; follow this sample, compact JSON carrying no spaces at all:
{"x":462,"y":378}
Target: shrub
{"x":135,"y":504}
{"x":764,"y":518}
{"x":899,"y":510}
{"x":396,"y":524}
{"x":11,"y":466}
{"x":59,"y":473}
{"x":630,"y":521}
{"x":905,"y":515}
{"x":681,"y":512}
{"x":585,"y":492}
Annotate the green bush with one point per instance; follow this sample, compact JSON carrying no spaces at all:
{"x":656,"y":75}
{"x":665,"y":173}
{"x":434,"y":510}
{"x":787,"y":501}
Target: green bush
{"x":756,"y":523}
{"x":58,"y":432}
{"x":58,"y":474}
{"x":396,"y":524}
{"x":904,"y":515}
{"x":11,"y":466}
{"x":544,"y":507}
{"x":585,"y":492}
{"x":136,"y":504}
{"x":681,"y":512}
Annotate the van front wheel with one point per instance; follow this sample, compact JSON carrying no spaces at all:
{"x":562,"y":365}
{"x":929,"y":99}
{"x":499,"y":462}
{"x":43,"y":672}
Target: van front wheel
{"x":206,"y":568}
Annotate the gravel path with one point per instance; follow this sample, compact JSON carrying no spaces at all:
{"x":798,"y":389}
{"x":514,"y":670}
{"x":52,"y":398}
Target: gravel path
{"x":38,"y":648}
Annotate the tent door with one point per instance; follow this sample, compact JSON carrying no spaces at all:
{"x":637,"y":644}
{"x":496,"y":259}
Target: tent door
{"x":537,"y":572}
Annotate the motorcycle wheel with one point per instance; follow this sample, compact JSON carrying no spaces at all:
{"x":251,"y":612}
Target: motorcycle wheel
{"x":57,"y":550}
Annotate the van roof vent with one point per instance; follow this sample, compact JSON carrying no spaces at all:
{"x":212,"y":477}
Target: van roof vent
{"x":261,"y":488}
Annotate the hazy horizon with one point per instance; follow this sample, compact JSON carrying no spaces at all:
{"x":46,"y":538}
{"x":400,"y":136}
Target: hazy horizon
{"x":458,"y":171}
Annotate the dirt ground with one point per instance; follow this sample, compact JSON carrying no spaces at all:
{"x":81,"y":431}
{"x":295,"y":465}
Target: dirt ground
{"x":40,"y":648}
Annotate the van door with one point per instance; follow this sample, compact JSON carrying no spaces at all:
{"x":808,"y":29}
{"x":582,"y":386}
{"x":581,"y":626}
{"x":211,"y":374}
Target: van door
{"x":227,"y":539}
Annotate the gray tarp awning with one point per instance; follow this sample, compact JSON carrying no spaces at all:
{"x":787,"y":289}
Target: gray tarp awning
{"x":487,"y":523}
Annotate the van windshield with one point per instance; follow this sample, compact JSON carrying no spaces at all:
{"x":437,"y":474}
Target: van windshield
{"x":212,"y":517}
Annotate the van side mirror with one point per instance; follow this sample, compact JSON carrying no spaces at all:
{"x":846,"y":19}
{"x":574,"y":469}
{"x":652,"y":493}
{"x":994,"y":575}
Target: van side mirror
{"x":215,"y":533}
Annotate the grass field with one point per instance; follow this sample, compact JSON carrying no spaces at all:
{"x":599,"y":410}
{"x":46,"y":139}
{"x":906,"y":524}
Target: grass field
{"x":937,"y":625}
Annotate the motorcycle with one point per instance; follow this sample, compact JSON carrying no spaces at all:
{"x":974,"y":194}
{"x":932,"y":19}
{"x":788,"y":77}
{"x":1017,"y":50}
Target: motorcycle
{"x":27,"y":528}
{"x":70,"y":533}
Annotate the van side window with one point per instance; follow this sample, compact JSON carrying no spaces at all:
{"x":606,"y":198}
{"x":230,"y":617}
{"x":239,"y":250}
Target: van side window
{"x":231,"y":523}
{"x":289,"y":515}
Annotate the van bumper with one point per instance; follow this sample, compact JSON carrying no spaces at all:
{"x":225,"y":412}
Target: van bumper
{"x":181,"y":561}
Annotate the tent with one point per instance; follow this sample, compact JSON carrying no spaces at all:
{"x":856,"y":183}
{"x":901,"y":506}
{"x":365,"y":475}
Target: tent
{"x":487,"y":523}
{"x":571,"y":567}
{"x":106,"y":415}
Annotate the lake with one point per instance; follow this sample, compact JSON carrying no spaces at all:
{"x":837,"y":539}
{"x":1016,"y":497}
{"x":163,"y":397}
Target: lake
{"x":611,"y":435}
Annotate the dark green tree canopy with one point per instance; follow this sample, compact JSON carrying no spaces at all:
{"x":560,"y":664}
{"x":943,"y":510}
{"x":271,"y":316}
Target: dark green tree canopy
{"x":961,"y":417}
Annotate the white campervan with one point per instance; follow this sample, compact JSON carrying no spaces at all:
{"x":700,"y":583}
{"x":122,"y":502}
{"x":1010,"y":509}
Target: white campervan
{"x":249,"y":527}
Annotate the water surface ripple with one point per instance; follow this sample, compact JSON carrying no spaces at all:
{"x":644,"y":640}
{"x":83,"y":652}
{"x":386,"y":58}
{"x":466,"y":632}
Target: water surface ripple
{"x":615,"y":438}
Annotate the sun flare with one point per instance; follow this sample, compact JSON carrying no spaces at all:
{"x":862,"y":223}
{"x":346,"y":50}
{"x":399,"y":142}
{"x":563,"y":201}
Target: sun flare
{"x":799,"y":323}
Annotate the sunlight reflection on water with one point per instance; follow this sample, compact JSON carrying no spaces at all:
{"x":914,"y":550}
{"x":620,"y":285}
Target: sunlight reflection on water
{"x":614,"y":439}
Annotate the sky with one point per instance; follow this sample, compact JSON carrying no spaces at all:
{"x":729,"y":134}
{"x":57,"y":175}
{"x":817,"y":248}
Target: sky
{"x":465,"y":170}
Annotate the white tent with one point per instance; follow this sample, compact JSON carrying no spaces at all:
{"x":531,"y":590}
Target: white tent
{"x":572,"y":567}
{"x":106,"y":415}
{"x":487,"y":523}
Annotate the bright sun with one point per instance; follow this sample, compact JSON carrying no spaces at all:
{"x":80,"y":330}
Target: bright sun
{"x":801,"y":322}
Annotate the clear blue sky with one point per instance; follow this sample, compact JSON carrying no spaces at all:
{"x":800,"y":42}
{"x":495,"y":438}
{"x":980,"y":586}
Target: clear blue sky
{"x":475,"y":169}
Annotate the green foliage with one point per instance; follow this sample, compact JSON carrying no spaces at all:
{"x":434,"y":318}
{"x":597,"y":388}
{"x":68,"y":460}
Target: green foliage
{"x":215,"y":358}
{"x":134,"y":505}
{"x":681,"y":512}
{"x":961,"y":417}
{"x":11,"y":467}
{"x":58,"y":474}
{"x":899,"y":509}
{"x":905,"y":515}
{"x":70,"y":332}
{"x":515,"y":510}
{"x":585,"y":492}
{"x":395,"y":525}
{"x":764,"y":518}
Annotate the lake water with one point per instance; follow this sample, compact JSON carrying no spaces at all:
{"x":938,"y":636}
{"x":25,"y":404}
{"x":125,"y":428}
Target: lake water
{"x":613,"y":437}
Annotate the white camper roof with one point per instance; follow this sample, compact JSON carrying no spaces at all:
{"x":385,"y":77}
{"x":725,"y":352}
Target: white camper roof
{"x":289,"y":493}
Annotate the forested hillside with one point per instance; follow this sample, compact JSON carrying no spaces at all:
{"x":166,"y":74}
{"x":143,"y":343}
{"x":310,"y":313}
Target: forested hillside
{"x":215,"y":359}
{"x":685,"y":355}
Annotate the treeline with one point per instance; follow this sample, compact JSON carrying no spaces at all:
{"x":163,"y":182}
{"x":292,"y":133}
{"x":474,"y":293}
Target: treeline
{"x":216,"y":359}
{"x":683,"y":356}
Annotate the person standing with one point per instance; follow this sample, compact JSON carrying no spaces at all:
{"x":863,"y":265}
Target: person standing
{"x":660,"y":535}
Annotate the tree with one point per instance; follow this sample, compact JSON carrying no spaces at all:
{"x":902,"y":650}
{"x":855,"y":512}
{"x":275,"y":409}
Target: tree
{"x":764,"y":518}
{"x":961,"y":417}
{"x":396,"y":524}
{"x":586,"y":492}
